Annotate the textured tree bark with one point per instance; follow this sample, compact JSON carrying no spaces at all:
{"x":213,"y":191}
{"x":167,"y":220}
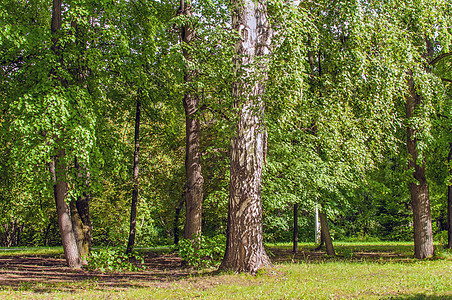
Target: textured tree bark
{"x":295,"y":229}
{"x":56,"y":24}
{"x":244,"y":244}
{"x":193,"y":171}
{"x":326,"y":234}
{"x":80,"y":233}
{"x":80,"y":214}
{"x":449,"y":201}
{"x":136,"y":169}
{"x":420,"y":202}
{"x":58,"y":171}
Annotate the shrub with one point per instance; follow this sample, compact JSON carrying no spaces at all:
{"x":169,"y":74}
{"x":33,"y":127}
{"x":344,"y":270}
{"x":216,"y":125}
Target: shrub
{"x":114,"y":260}
{"x":202,"y":251}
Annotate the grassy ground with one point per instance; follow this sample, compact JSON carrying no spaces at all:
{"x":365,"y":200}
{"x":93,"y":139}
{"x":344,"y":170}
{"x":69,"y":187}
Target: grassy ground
{"x":361,"y":271}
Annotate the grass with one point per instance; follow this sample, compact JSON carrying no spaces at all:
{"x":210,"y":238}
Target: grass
{"x":348,"y":276}
{"x":31,"y":251}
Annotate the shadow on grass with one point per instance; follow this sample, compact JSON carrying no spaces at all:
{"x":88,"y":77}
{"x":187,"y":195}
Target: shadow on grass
{"x":377,"y":253}
{"x":47,"y":274}
{"x":346,"y":253}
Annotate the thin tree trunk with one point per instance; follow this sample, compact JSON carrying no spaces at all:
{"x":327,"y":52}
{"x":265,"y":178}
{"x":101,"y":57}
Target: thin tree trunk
{"x":295,"y":228}
{"x":420,"y":202}
{"x":71,"y":252}
{"x":19,"y":232}
{"x":46,"y":234}
{"x":244,"y":243}
{"x":449,"y":201}
{"x":193,"y":171}
{"x":318,"y":233}
{"x":326,"y":234}
{"x":136,"y":168}
{"x":176,"y":221}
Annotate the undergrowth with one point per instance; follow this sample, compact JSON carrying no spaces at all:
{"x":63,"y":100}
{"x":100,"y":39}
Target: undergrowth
{"x":115,"y":260}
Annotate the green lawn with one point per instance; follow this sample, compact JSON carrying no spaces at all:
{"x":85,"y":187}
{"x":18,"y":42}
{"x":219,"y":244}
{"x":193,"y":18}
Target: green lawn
{"x":362,"y":271}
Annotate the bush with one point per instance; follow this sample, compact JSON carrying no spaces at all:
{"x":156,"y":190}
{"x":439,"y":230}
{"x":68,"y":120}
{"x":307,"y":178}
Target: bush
{"x":202,"y":251}
{"x":114,"y":260}
{"x":441,"y":237}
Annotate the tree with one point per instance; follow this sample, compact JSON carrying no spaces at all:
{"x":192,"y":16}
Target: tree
{"x":136,"y":169}
{"x":244,"y":244}
{"x":295,"y":229}
{"x":58,"y":167}
{"x":420,"y":201}
{"x":193,"y":171}
{"x":422,"y":91}
{"x":49,"y":97}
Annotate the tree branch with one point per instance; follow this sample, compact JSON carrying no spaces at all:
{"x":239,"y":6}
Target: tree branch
{"x":438,"y":58}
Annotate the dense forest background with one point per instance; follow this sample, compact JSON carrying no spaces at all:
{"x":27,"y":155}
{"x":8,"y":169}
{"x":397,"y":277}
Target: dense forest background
{"x":337,"y":80}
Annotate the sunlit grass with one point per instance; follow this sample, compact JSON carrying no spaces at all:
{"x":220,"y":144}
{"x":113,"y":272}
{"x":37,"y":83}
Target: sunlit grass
{"x":34,"y":251}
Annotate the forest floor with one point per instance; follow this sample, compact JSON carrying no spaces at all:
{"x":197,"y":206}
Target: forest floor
{"x":360,"y":271}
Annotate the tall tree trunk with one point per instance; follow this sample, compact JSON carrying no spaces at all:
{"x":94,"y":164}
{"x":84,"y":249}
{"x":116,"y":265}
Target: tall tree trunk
{"x":193,"y":170}
{"x":420,"y":202}
{"x":244,"y":243}
{"x":326,"y":234}
{"x":295,"y":228}
{"x":136,"y":168}
{"x":71,"y":252}
{"x":80,"y":207}
{"x":57,"y":167}
{"x":449,"y":201}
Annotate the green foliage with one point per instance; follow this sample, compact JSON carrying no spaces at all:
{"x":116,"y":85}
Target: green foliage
{"x":441,"y":237}
{"x":203,"y":251}
{"x":114,"y":260}
{"x":334,"y":113}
